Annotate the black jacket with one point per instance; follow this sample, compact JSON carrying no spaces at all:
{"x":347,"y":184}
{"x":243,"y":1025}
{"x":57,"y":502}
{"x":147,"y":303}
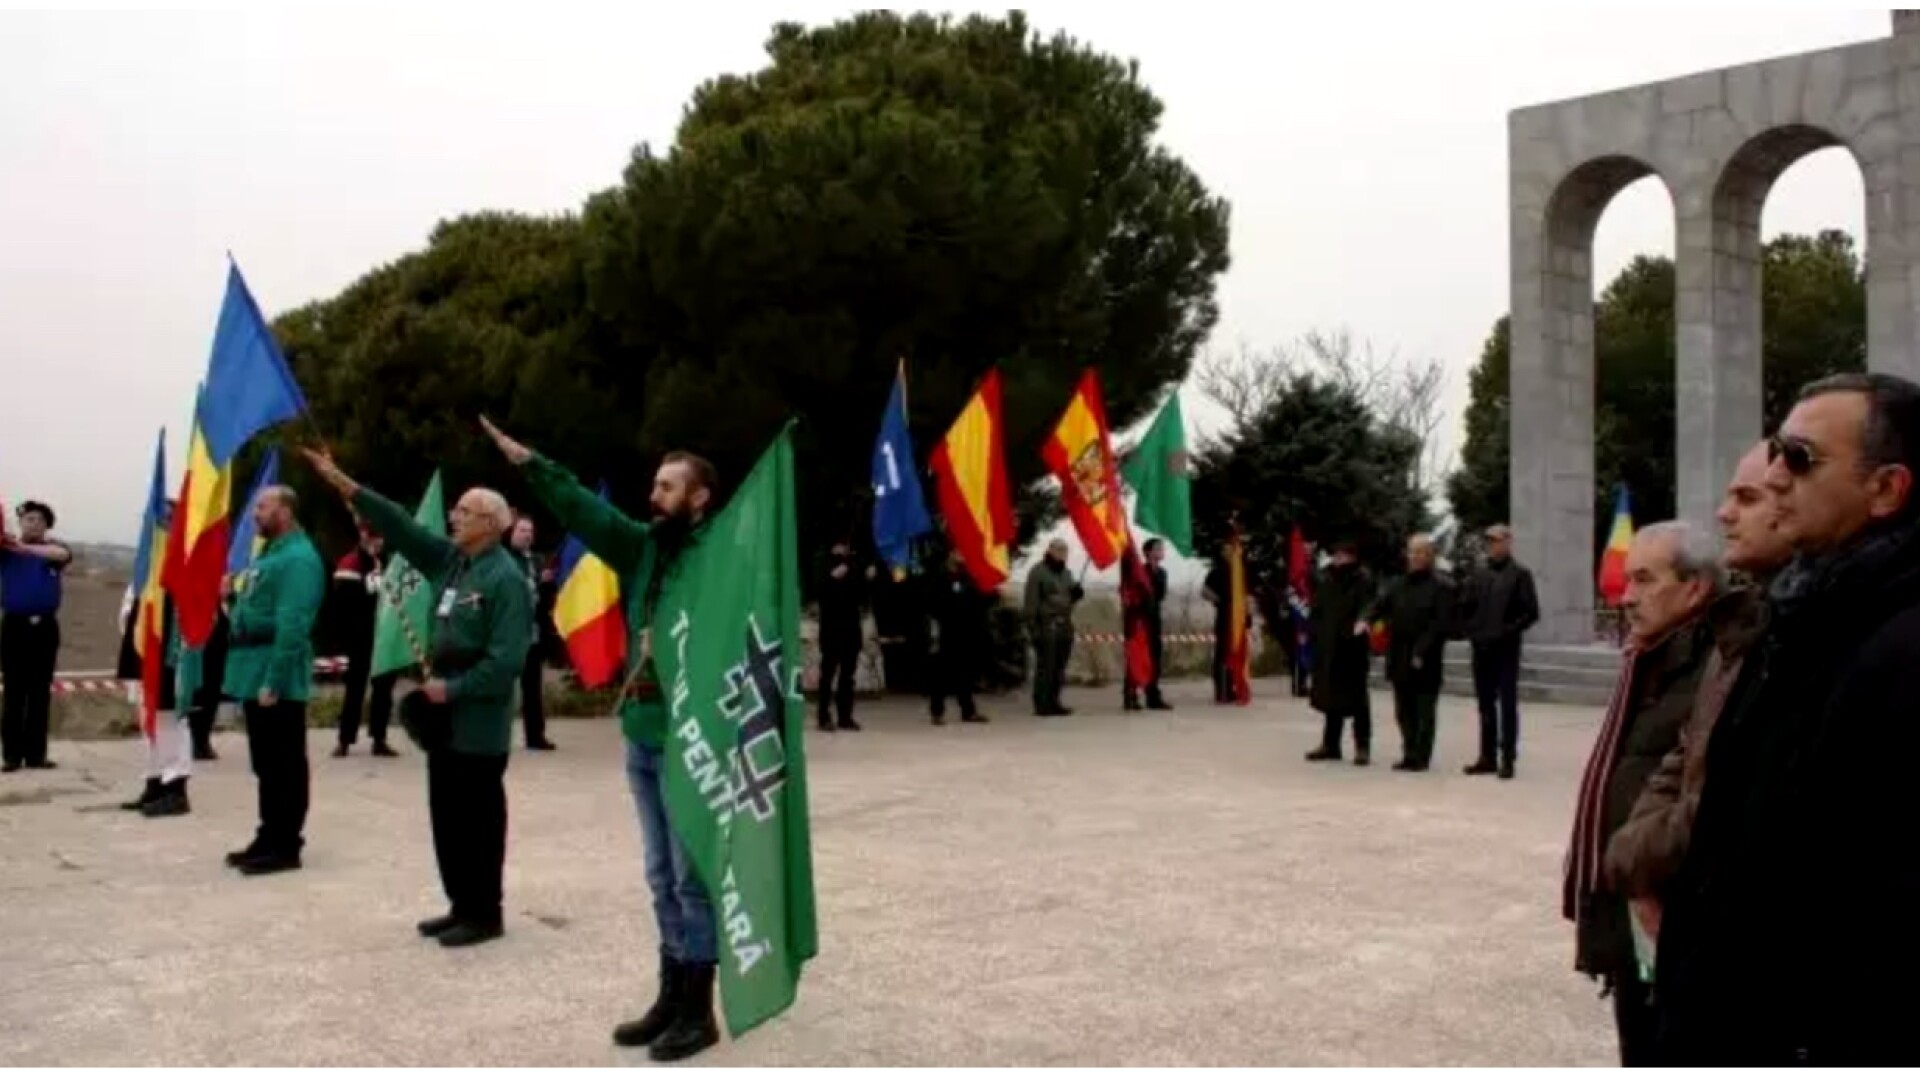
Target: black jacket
{"x":1499,"y":604}
{"x":1418,"y":610}
{"x":840,"y":600}
{"x":1792,"y":933}
{"x":1341,"y":597}
{"x":959,"y":611}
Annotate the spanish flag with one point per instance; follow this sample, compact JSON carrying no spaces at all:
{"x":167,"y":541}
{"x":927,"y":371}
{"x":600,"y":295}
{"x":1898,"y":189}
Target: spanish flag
{"x":249,"y":388}
{"x":150,"y":603}
{"x":971,"y":468}
{"x":587,"y":613}
{"x":1613,"y":561}
{"x":1080,"y":453}
{"x":1239,"y":655}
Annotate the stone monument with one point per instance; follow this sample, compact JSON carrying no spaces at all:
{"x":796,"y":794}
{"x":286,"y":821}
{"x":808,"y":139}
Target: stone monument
{"x":1718,"y":140}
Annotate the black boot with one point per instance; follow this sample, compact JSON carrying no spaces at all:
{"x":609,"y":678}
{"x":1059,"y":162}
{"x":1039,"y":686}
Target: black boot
{"x":203,"y":751}
{"x":666,"y":1006}
{"x":171,"y":802}
{"x":1483,"y":767}
{"x":147,"y":795}
{"x":693,"y":1028}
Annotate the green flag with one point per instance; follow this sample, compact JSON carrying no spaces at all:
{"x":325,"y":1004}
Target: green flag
{"x":1156,"y":470}
{"x":404,"y":594}
{"x":726,"y":642}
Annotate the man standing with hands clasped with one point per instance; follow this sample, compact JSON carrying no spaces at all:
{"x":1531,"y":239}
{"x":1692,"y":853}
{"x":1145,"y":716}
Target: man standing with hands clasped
{"x":680,"y":1023}
{"x":482,"y":626}
{"x":270,"y":672}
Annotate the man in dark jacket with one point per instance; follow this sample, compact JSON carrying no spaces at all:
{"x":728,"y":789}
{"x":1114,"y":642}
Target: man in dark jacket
{"x":353,"y":603}
{"x":1672,"y":575}
{"x":1417,"y":610}
{"x":1790,"y":935}
{"x":1145,"y":605}
{"x":1500,"y":605}
{"x":842,"y":590}
{"x":959,"y":640}
{"x":1051,"y":595}
{"x":533,"y":675}
{"x":1342,"y":653}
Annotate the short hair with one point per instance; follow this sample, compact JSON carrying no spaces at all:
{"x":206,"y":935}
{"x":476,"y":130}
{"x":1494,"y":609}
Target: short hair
{"x":33,"y":507}
{"x":1500,"y":531}
{"x":1696,"y":555}
{"x":1151,"y":546}
{"x":1422,"y":539}
{"x":494,"y":506}
{"x":703,"y":471}
{"x":1891,"y":435}
{"x":286,"y":496}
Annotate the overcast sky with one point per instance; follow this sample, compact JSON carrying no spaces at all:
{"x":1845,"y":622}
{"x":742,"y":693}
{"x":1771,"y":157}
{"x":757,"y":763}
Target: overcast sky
{"x":1363,"y":150}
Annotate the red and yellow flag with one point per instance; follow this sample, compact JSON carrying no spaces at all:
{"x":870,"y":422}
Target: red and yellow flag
{"x":588,"y":615}
{"x":971,"y":468}
{"x":1239,"y":655}
{"x":198,"y":541}
{"x":150,"y":602}
{"x":1080,"y":454}
{"x":1613,"y":561}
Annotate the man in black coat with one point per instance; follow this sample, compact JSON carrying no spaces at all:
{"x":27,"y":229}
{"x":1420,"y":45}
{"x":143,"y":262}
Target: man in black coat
{"x":1499,"y":606}
{"x":959,"y":640}
{"x":842,"y":589}
{"x":1342,"y":653}
{"x":1790,"y":936}
{"x":1417,"y":610}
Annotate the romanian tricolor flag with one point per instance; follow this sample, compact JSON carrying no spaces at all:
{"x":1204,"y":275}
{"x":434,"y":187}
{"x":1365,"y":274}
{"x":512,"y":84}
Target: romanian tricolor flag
{"x":975,"y":499}
{"x":150,"y":600}
{"x":587,"y":613}
{"x":1080,"y":453}
{"x":1239,"y":656}
{"x":1613,"y":561}
{"x":248,"y":389}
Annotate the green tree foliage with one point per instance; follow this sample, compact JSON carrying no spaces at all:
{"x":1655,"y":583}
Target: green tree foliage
{"x":954,"y":193}
{"x":1314,"y":456}
{"x":1813,"y":312}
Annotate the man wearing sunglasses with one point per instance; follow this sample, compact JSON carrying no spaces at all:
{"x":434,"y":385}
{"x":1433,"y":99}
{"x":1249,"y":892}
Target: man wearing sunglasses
{"x":1790,"y":936}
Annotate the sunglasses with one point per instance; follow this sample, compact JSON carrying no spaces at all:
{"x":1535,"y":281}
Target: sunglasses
{"x":1797,"y":454}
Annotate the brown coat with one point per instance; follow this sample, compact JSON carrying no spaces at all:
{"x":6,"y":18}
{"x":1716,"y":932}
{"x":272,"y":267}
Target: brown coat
{"x":1645,"y":853}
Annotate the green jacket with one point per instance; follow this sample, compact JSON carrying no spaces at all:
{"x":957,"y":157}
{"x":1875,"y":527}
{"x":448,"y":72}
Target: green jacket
{"x":271,"y":628}
{"x":1051,"y":594}
{"x":482,"y":623}
{"x":628,"y":549}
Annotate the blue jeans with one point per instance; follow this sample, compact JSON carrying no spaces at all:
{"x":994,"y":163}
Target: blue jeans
{"x":680,"y":906}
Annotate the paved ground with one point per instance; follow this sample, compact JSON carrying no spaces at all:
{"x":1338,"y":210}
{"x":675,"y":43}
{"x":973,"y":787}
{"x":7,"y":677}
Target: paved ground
{"x":1159,"y":889}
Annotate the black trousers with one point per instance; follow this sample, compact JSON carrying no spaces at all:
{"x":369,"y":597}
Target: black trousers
{"x":1222,"y":674}
{"x":28,"y":647}
{"x":952,"y":676}
{"x":1052,"y":648}
{"x":1336,"y":723}
{"x":467,"y":803}
{"x":1636,"y":1021}
{"x":1496,"y":682}
{"x":838,"y":662}
{"x":378,"y":712}
{"x":1415,"y":710}
{"x":277,"y":746}
{"x":533,"y":702}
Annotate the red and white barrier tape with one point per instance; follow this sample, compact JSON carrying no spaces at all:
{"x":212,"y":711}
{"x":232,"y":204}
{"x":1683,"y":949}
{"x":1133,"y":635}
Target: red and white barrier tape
{"x":1169,"y":639}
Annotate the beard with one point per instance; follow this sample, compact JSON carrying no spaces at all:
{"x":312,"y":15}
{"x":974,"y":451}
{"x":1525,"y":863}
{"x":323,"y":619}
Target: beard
{"x":671,"y":532}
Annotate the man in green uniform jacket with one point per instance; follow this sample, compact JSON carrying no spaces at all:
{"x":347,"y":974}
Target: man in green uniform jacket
{"x":681,"y":1023}
{"x":482,"y":627}
{"x":270,"y":671}
{"x":1051,"y":594}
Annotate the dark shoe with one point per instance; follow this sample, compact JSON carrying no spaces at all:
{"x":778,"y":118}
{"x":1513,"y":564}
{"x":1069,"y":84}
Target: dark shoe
{"x":237,"y":859}
{"x":381,"y":749}
{"x":11,"y":766}
{"x":1506,"y":770}
{"x":41,"y":765}
{"x":269,"y":863}
{"x":146,"y":796}
{"x":1159,"y":705}
{"x":1362,"y":757}
{"x":659,"y":1018}
{"x":1403,"y":766}
{"x":826,"y":726}
{"x":976,"y":718}
{"x":539,"y":744}
{"x":340,"y":751}
{"x":464,"y":934}
{"x":1062,"y":710}
{"x":434,"y":927}
{"x":1130,"y":705}
{"x":204,"y":752}
{"x":693,"y":1028}
{"x":1324,"y":753}
{"x":1483,"y":767}
{"x":849,"y":724}
{"x":172,"y":801}
{"x":939,"y":721}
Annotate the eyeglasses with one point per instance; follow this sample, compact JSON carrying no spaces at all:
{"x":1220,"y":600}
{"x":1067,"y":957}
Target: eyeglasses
{"x":1797,"y":454}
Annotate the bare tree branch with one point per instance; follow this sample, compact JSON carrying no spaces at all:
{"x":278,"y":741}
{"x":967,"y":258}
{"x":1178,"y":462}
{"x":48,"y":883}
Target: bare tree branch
{"x":1245,"y":381}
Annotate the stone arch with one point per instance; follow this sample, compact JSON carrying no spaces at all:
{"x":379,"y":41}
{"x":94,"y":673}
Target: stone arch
{"x":1554,"y":387}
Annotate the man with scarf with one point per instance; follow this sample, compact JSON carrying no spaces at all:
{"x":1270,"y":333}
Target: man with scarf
{"x":1790,"y":935}
{"x":1672,"y":575}
{"x":680,"y":1023}
{"x":1051,"y":595}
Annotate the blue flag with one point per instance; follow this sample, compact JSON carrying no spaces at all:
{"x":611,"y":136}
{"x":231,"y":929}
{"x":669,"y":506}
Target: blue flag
{"x":249,"y":386}
{"x":899,"y":510}
{"x":240,"y":554}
